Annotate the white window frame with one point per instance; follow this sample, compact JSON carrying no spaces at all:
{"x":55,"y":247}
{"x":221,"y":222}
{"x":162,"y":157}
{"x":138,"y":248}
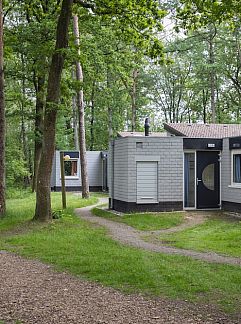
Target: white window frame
{"x":78,"y":170}
{"x":234,"y":184}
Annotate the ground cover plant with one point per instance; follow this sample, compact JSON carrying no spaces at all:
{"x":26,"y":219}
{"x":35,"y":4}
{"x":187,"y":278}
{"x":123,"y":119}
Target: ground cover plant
{"x":144,"y":221}
{"x":73,"y":245}
{"x":20,"y":208}
{"x":218,"y":235}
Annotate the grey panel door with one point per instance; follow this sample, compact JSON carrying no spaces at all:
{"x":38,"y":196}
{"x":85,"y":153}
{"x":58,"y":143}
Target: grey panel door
{"x":146,"y":182}
{"x":208,"y":180}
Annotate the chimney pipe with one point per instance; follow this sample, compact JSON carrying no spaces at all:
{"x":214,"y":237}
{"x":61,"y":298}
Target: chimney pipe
{"x":147,"y":126}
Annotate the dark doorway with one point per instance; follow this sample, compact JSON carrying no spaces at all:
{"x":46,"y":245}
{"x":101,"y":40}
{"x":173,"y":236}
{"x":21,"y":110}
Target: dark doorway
{"x":208,"y":180}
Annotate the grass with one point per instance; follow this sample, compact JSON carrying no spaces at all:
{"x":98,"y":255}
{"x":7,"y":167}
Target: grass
{"x":144,"y":221}
{"x":20,"y":210}
{"x":217,"y":235}
{"x":73,"y":245}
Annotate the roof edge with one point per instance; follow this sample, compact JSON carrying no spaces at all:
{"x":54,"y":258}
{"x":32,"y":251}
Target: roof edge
{"x":173,"y":130}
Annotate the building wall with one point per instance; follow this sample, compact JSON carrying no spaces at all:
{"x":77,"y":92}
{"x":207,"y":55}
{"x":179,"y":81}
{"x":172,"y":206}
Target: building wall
{"x":94,"y":171}
{"x":118,"y":171}
{"x":53,"y":174}
{"x":167,"y":151}
{"x":229,"y":193}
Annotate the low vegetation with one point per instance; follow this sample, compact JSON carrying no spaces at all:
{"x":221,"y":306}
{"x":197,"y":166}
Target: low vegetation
{"x":74,"y":245}
{"x":217,"y":235}
{"x":144,"y":221}
{"x":20,"y":208}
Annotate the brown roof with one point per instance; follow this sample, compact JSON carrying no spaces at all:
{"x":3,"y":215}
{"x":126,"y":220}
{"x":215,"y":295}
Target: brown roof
{"x":204,"y":130}
{"x":133,"y":134}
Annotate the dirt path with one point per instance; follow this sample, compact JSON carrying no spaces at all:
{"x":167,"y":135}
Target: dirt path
{"x":32,"y":293}
{"x":127,"y":235}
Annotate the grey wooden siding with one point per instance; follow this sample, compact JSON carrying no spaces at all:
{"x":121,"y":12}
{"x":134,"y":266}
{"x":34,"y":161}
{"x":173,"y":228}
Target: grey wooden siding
{"x":146,"y":182}
{"x":94,"y":171}
{"x":53,"y":174}
{"x":228,"y":193}
{"x":119,"y":174}
{"x":167,"y":151}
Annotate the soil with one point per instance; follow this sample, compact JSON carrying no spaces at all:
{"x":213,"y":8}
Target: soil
{"x":32,"y":292}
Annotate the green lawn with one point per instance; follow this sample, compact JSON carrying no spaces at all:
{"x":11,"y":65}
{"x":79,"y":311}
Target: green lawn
{"x":21,"y":210}
{"x":144,"y":221}
{"x":221,"y":236}
{"x":73,"y":245}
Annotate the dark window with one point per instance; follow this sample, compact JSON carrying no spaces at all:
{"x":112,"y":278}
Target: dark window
{"x":237,"y":168}
{"x":70,"y":168}
{"x":189,"y":180}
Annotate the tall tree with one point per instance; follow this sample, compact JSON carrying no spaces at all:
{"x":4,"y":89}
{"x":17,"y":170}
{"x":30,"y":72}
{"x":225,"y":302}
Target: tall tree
{"x":81,"y":115}
{"x":43,"y":199}
{"x":2,"y":120}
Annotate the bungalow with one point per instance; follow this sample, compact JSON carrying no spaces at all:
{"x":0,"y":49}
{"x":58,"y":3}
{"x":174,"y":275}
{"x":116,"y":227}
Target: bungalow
{"x":97,"y":171}
{"x":189,"y":166}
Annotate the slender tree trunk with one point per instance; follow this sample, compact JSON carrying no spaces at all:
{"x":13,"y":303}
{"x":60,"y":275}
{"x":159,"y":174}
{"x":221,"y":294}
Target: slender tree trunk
{"x":212,"y":76}
{"x":80,"y":105}
{"x":92,"y":118}
{"x":43,"y":199}
{"x":204,"y":102}
{"x":39,"y":112}
{"x":75,"y":118}
{"x":133,"y":100}
{"x":2,"y":121}
{"x":23,"y":136}
{"x":109,"y":107}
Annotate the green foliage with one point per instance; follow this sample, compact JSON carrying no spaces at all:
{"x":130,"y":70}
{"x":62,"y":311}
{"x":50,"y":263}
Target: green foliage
{"x":16,"y":168}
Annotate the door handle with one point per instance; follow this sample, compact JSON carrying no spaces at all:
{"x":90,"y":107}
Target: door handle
{"x":198,"y":180}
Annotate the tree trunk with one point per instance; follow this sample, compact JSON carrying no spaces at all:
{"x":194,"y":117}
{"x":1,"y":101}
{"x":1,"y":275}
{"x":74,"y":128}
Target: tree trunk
{"x":212,"y":76}
{"x":2,"y":121}
{"x":92,"y":118}
{"x":109,"y":107}
{"x":39,"y":111}
{"x":23,"y":136}
{"x":43,"y":199}
{"x":133,"y":101}
{"x":80,"y":105}
{"x":75,"y":118}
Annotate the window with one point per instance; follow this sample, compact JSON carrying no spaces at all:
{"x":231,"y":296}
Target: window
{"x":189,"y":180}
{"x":71,"y":168}
{"x":236,"y":169}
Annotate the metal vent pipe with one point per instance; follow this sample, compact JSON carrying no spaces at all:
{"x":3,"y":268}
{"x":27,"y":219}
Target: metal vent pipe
{"x":147,"y":126}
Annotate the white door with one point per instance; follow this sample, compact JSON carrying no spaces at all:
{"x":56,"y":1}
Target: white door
{"x":146,"y":182}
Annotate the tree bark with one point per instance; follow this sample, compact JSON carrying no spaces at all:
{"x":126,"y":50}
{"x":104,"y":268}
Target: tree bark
{"x":75,"y":118}
{"x":80,"y":105}
{"x":133,"y":100}
{"x":109,"y":107}
{"x":212,"y":75}
{"x":43,"y":199}
{"x":39,"y":112}
{"x":2,"y":121}
{"x":23,"y":135}
{"x":92,"y":118}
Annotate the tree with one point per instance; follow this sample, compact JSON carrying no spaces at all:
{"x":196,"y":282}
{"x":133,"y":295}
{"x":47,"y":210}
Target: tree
{"x":2,"y":120}
{"x":43,"y":199}
{"x":80,"y":105}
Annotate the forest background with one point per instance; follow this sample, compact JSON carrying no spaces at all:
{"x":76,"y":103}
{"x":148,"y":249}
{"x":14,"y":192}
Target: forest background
{"x":192,"y":75}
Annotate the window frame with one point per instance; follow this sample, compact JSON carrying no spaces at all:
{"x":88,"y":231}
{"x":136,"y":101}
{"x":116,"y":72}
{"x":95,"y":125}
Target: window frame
{"x":76,"y":176}
{"x":233,"y":183}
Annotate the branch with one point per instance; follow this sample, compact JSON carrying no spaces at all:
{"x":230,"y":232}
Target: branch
{"x":85,"y":4}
